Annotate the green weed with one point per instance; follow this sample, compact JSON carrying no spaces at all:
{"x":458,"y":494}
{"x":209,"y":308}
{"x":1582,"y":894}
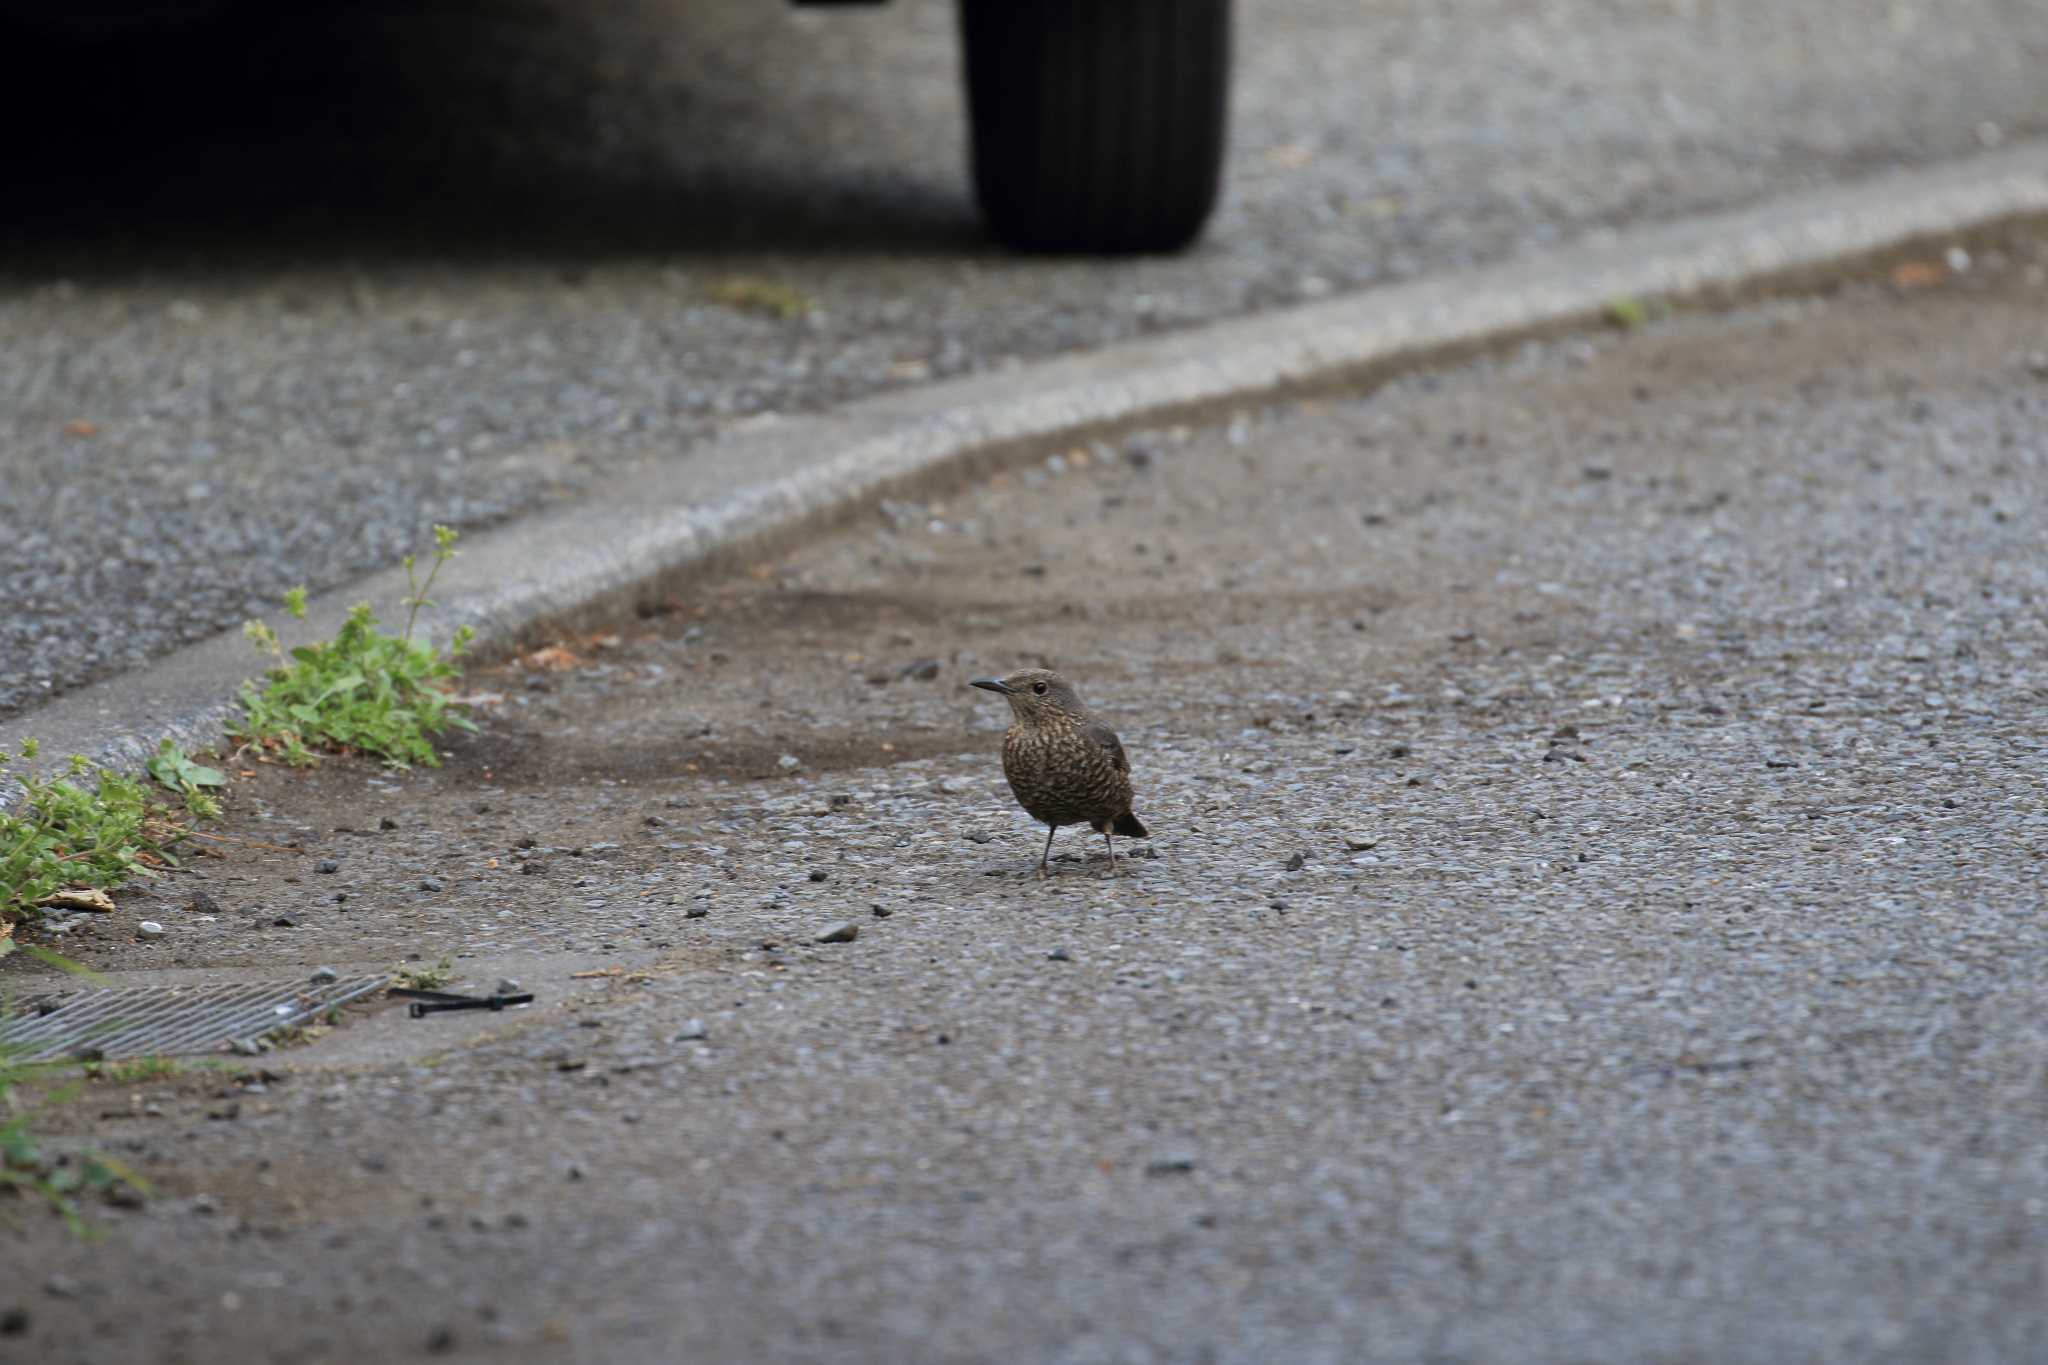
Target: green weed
{"x":364,"y":690}
{"x":424,"y":978}
{"x":1630,"y":313}
{"x":175,"y":769}
{"x":749,"y":294}
{"x":88,"y":827}
{"x":25,"y":1165}
{"x":136,"y":1071}
{"x":1626,"y":312}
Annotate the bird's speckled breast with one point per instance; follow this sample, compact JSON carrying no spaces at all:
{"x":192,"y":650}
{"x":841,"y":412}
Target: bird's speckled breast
{"x":1062,"y":777}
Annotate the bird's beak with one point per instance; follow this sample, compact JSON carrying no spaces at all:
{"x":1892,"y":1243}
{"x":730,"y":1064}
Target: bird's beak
{"x":992,"y":685}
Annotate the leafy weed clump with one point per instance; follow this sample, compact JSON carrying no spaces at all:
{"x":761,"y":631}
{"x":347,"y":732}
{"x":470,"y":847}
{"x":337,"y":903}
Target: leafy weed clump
{"x":194,"y":781}
{"x":423,"y":978}
{"x":364,"y":691}
{"x":86,"y":828}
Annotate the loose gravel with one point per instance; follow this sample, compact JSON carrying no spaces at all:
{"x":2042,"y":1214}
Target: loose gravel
{"x":1595,"y":913}
{"x":346,"y":271}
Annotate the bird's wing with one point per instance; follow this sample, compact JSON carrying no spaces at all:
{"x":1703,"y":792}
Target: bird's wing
{"x":1101,"y":734}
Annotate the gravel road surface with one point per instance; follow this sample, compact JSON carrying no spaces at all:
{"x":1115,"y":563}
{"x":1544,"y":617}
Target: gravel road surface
{"x":1595,"y":914}
{"x":353,"y":270}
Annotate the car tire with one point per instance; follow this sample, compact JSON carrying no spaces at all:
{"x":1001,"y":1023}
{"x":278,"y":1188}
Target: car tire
{"x":1098,"y":125}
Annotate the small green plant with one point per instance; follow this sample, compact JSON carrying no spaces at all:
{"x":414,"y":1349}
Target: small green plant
{"x":1626,"y":313}
{"x":751,"y":294}
{"x":25,"y":1165}
{"x":424,"y":978}
{"x":175,"y":769}
{"x":136,"y":1071}
{"x":364,"y":690}
{"x":86,"y":828}
{"x":1629,"y":313}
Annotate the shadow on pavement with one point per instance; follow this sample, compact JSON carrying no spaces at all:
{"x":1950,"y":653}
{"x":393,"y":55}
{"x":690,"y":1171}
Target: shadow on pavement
{"x":471,"y":132}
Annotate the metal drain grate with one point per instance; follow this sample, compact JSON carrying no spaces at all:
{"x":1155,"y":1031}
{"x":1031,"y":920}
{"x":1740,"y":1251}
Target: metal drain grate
{"x":168,"y":1021}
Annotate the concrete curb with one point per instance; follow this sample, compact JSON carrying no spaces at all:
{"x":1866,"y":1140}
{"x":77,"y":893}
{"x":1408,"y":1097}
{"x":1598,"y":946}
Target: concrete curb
{"x":746,"y":493}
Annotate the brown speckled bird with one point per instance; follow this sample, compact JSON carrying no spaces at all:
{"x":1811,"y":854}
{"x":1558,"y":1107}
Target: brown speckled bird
{"x":1065,"y":766}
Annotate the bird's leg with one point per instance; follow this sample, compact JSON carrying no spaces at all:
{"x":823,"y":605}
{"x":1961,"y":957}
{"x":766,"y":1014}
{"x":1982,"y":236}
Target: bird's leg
{"x":1044,"y":869}
{"x":1110,"y":839}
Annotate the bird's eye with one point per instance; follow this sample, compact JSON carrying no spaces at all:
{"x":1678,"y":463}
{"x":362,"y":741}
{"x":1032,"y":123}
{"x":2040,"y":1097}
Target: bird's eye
{"x":1039,"y":688}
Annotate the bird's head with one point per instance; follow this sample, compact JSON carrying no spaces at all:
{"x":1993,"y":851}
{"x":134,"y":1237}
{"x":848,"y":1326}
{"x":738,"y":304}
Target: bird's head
{"x":1036,"y":695}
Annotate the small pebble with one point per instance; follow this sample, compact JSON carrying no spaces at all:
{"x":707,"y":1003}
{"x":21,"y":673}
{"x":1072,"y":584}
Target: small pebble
{"x":697,"y":911}
{"x":1360,"y":843}
{"x":328,"y":866}
{"x":386,"y":822}
{"x":881,"y":911}
{"x":508,"y":986}
{"x":691,"y":1031}
{"x":1294,"y":864}
{"x":285,"y":922}
{"x":322,"y":975}
{"x":846,"y":931}
{"x":149,"y":928}
{"x":819,"y":874}
{"x":431,"y":884}
{"x":789,"y":763}
{"x":1059,"y":955}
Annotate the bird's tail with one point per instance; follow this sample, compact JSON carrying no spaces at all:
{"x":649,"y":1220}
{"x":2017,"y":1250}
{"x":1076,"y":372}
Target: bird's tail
{"x":1127,"y":824}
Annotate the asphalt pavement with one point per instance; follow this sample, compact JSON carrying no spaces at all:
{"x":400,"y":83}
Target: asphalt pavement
{"x":281,"y":292}
{"x":1594,"y":913}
